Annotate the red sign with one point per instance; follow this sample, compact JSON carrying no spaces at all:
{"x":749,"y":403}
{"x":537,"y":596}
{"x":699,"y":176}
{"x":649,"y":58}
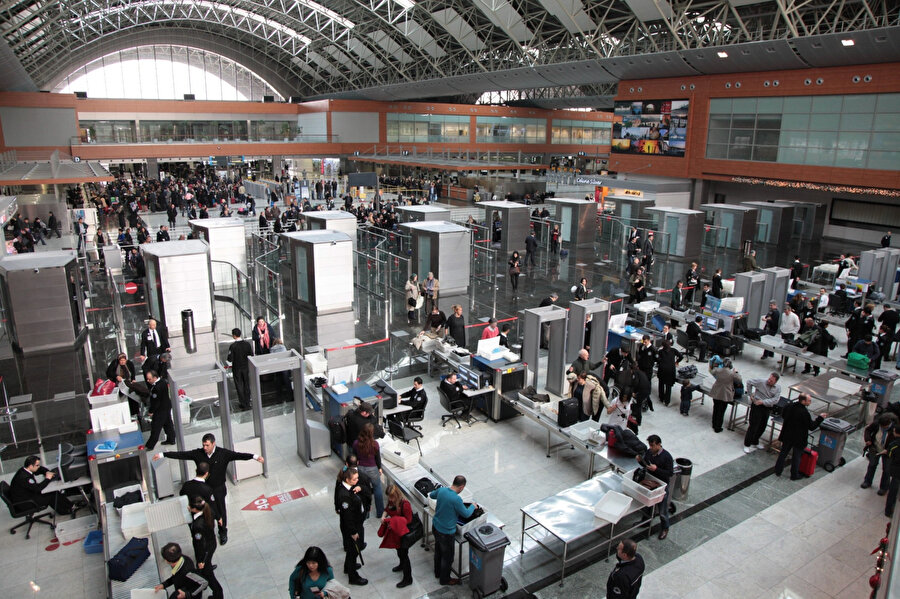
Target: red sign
{"x":131,"y":288}
{"x":265,"y":504}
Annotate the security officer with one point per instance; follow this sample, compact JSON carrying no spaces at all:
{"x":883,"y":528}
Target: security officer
{"x":350,"y":510}
{"x":203,"y":538}
{"x":24,"y":487}
{"x":160,"y":411}
{"x":624,"y":581}
{"x":198,"y":487}
{"x":415,"y":398}
{"x":153,"y":340}
{"x":218,"y":459}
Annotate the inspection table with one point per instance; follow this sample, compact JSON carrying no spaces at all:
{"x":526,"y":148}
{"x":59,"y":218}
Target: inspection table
{"x":568,"y":517}
{"x":829,"y":389}
{"x":613,"y":459}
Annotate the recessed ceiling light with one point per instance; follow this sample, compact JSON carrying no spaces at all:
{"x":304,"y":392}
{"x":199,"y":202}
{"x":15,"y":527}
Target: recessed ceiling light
{"x":722,"y":54}
{"x":847,"y":42}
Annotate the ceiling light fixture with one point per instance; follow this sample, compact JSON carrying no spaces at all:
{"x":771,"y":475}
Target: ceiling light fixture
{"x":722,"y":54}
{"x":847,"y":43}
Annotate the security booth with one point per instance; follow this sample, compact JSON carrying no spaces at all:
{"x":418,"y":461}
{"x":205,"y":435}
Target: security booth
{"x":880,"y":267}
{"x":630,"y":208}
{"x":579,"y":311}
{"x":206,"y":383}
{"x":417,"y":214}
{"x":578,"y":220}
{"x":226,"y":239}
{"x":682,"y":231}
{"x":441,"y":247}
{"x":515,"y":219}
{"x":41,"y":293}
{"x":809,"y":219}
{"x":734,"y":224}
{"x":318,"y":270}
{"x":179,"y":277}
{"x":546,"y":326}
{"x":778,"y":281}
{"x":332,"y":220}
{"x":752,"y":287}
{"x":775,"y":223}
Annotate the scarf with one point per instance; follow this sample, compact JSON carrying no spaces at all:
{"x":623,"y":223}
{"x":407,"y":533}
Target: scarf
{"x":263,"y":336}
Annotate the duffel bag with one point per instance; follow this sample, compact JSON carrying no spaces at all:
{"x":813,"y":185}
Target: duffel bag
{"x":126,"y":562}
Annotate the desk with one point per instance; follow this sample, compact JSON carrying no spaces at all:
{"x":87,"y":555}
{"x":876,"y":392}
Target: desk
{"x":80,"y":483}
{"x":614,"y":460}
{"x":568,"y":517}
{"x":449,"y":357}
{"x":681,"y":317}
{"x":400,"y":408}
{"x":507,"y":377}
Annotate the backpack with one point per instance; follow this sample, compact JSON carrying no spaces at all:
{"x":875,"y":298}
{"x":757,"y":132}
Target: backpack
{"x":687,"y":372}
{"x":425,"y":486}
{"x":829,"y":340}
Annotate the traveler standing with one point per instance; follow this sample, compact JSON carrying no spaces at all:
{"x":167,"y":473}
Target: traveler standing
{"x":238,"y":354}
{"x":660,"y":464}
{"x":795,"y":428}
{"x":765,"y":395}
{"x":449,"y":508}
{"x":368,"y":454}
{"x":722,"y":392}
{"x":203,"y":537}
{"x":397,"y":518}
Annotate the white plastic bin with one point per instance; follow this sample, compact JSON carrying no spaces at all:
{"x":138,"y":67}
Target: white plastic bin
{"x":583,"y":430}
{"x":134,"y":520}
{"x":640,"y":493}
{"x":68,"y":531}
{"x":400,"y":454}
{"x":612,"y":507}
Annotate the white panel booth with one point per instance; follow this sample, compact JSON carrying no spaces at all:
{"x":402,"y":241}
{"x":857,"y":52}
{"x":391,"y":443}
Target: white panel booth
{"x":332,"y":220}
{"x":318,"y":271}
{"x":226,"y":239}
{"x":179,"y":278}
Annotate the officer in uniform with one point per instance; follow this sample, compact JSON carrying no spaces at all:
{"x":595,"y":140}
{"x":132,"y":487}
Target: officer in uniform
{"x":218,"y":459}
{"x":203,"y":538}
{"x":198,"y":487}
{"x":624,"y":581}
{"x":24,"y":487}
{"x":160,"y":411}
{"x":350,"y":510}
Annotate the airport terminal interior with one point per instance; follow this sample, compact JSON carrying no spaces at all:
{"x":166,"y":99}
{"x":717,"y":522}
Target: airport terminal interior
{"x":361,"y":196}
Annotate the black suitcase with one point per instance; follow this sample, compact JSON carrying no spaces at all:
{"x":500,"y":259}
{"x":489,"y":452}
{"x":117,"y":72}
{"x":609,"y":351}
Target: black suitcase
{"x":126,"y":562}
{"x":568,"y":412}
{"x":336,"y":429}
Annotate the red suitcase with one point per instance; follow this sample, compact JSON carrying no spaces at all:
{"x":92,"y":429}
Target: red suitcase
{"x":808,"y":462}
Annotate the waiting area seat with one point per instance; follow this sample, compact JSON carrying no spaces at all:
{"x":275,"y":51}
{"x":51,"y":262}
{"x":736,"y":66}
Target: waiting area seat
{"x":24,"y":509}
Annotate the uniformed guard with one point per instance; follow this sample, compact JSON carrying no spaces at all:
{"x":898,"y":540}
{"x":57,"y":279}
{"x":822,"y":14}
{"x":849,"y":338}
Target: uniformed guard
{"x":350,"y":510}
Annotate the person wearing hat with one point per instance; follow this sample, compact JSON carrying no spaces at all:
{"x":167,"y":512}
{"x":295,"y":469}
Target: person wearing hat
{"x":358,"y":418}
{"x":238,"y":355}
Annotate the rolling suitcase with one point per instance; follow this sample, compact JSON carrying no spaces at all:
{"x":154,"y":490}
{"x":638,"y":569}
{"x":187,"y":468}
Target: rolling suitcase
{"x":808,"y":462}
{"x":568,"y":412}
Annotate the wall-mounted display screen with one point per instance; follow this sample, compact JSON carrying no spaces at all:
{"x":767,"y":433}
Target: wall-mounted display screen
{"x":651,"y":127}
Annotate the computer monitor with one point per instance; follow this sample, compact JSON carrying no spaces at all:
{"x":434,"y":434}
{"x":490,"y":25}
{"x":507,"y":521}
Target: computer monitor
{"x":470,"y":377}
{"x":711,"y":323}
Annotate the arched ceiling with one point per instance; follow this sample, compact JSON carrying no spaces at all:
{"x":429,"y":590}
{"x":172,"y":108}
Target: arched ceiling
{"x":408,"y":49}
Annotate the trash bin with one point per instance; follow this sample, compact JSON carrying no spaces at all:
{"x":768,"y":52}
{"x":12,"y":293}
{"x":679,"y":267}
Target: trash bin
{"x":882,"y":385}
{"x":187,"y":331}
{"x":681,"y":480}
{"x":487,"y":544}
{"x":833,"y":434}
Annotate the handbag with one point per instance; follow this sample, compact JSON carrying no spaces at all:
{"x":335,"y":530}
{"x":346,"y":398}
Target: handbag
{"x":515,"y":270}
{"x":639,"y":475}
{"x":415,"y":534}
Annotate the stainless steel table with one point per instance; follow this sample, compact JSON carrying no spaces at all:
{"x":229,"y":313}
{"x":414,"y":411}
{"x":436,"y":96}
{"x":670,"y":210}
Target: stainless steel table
{"x":613,"y":459}
{"x":830,"y":389}
{"x":568,"y":517}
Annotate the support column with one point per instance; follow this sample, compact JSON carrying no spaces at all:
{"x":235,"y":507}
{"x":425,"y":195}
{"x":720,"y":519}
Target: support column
{"x":277,"y":163}
{"x":152,"y":168}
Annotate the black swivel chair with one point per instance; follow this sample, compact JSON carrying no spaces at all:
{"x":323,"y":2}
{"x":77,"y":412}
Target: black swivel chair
{"x":415,"y":415}
{"x":455,"y":409}
{"x":24,"y":509}
{"x":689,"y":345}
{"x":397,"y":430}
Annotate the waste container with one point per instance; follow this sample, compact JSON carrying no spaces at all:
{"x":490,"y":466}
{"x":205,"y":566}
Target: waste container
{"x":487,"y":544}
{"x":187,"y":331}
{"x":681,"y":479}
{"x":882,"y":385}
{"x":832,"y":437}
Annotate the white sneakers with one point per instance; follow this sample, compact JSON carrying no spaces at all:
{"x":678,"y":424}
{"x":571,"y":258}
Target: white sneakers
{"x":760,"y":446}
{"x":748,"y":449}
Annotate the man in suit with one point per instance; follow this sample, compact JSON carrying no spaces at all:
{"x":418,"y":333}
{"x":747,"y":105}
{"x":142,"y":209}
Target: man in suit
{"x":238,"y":354}
{"x":198,"y":487}
{"x":678,"y":296}
{"x":531,"y":246}
{"x":772,"y":326}
{"x":158,"y":363}
{"x":647,"y":260}
{"x":153,"y":340}
{"x":691,"y":280}
{"x":796,"y":424}
{"x":24,"y":487}
{"x":218,"y":459}
{"x":350,"y":509}
{"x":80,"y":232}
{"x":695,"y":333}
{"x":160,"y":410}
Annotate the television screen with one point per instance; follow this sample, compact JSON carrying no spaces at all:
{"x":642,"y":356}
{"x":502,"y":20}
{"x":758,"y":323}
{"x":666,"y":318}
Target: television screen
{"x":651,"y":127}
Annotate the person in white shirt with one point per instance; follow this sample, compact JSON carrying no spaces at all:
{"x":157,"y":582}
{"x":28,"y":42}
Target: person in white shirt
{"x":823,"y":301}
{"x":790,"y":324}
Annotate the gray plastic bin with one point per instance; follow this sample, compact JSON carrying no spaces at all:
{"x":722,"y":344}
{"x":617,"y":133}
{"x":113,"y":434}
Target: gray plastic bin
{"x":681,"y":480}
{"x":487,"y":544}
{"x":832,"y":437}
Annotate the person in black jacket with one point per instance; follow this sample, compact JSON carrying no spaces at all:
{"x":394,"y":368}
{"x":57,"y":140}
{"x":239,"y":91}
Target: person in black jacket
{"x":646,"y":356}
{"x":691,"y":280}
{"x":660,"y":464}
{"x":358,"y":418}
{"x":121,"y":369}
{"x":186,"y":583}
{"x":203,"y":538}
{"x":716,"y":290}
{"x":416,"y":398}
{"x":24,"y":487}
{"x":531,"y":247}
{"x":640,"y":386}
{"x":695,"y":334}
{"x":647,"y":260}
{"x":678,"y":296}
{"x":365,"y":487}
{"x":153,"y":340}
{"x":198,"y":487}
{"x":772,"y":320}
{"x":614,"y":359}
{"x":667,"y":359}
{"x":624,"y":581}
{"x":893,"y":454}
{"x":350,"y":510}
{"x":218,"y":459}
{"x":160,"y":410}
{"x":238,"y":354}
{"x":795,"y":428}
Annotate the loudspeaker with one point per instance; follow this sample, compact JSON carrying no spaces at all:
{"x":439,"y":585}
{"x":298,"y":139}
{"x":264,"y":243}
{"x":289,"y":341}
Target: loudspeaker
{"x":81,"y":95}
{"x":268,"y":98}
{"x":189,"y":97}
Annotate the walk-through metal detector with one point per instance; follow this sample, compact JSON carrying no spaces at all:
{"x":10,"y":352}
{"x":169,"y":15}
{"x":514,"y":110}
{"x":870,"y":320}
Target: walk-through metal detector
{"x":598,"y":310}
{"x":201,"y":385}
{"x":555,"y":318}
{"x":269,"y":364}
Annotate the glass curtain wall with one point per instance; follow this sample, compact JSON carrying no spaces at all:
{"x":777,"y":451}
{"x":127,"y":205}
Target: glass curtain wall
{"x":586,"y":133}
{"x":437,"y":128}
{"x":507,"y":130}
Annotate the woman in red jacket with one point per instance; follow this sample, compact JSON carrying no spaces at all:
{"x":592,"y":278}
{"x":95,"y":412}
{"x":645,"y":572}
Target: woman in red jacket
{"x":395,"y":523}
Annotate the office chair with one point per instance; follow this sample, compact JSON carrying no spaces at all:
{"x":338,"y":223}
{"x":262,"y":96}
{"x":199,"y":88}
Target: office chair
{"x":398,"y":430}
{"x":456,"y":409}
{"x":689,"y":345}
{"x":415,"y":415}
{"x":24,"y":509}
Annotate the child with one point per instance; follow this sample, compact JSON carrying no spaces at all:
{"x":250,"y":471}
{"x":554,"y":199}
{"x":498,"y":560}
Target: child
{"x":687,"y":390}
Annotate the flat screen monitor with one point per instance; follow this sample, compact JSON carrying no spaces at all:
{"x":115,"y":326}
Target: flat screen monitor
{"x":487,"y":346}
{"x":711,"y":324}
{"x":618,"y":321}
{"x":470,"y":377}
